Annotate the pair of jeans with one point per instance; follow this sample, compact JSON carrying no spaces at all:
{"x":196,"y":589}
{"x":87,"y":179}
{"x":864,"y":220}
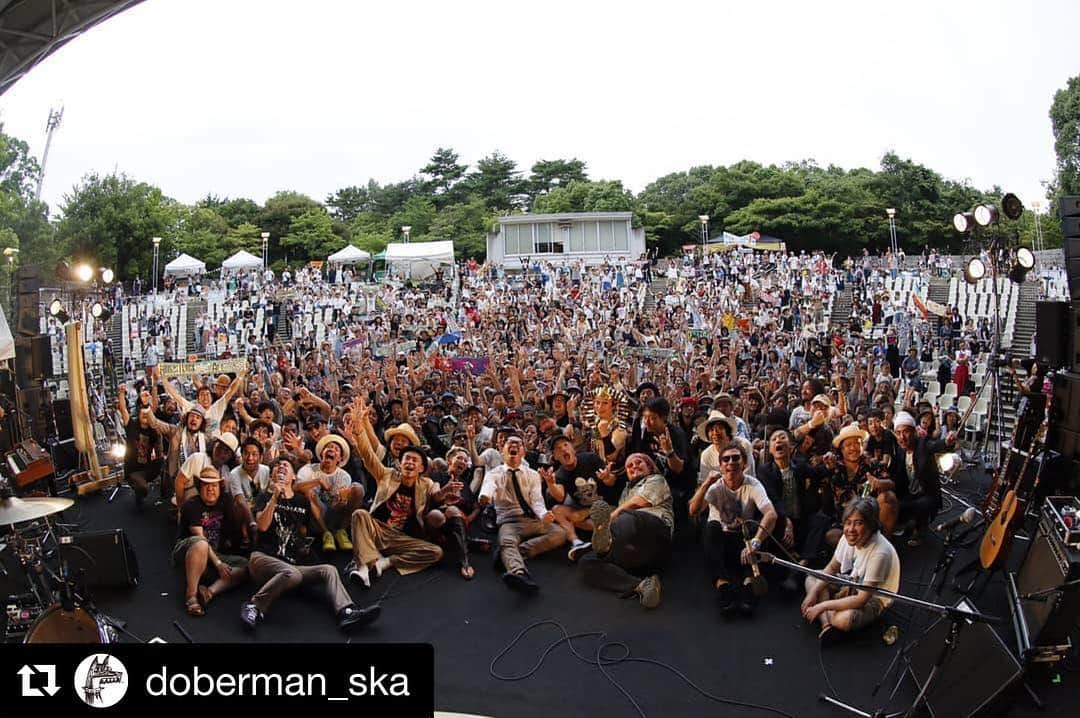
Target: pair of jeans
{"x":640,"y":546}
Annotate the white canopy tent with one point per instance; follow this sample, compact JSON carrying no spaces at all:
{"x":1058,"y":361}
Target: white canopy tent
{"x":349,"y":255}
{"x":185,"y":266}
{"x":7,"y":341}
{"x":241,"y":261}
{"x":418,"y":259}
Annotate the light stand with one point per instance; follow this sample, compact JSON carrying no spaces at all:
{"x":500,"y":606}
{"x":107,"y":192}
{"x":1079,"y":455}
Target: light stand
{"x":957,"y":616}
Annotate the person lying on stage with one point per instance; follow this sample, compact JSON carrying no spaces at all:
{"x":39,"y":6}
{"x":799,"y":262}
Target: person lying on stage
{"x":631,"y":542}
{"x":283,"y":559}
{"x":864,"y":556}
{"x":916,"y":475}
{"x":332,"y":492}
{"x":205,"y":522}
{"x":526,"y":528}
{"x":392,"y":532}
{"x":733,"y":499}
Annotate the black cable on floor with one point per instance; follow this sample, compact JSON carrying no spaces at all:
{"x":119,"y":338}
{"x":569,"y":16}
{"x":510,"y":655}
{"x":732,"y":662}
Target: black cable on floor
{"x":601,"y":660}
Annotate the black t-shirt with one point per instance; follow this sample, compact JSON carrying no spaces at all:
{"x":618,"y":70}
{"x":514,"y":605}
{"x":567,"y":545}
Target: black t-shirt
{"x":399,"y":511}
{"x":213,"y":520}
{"x":143,"y":446}
{"x":878,"y":449}
{"x":589,"y":464}
{"x":287,"y":537}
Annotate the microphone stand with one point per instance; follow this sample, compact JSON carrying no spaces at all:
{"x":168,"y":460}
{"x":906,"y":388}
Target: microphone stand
{"x":957,"y":616}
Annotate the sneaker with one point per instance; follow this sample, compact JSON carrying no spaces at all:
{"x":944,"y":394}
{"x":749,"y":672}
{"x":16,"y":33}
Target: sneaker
{"x":747,"y":600}
{"x":521,"y":582}
{"x":648,"y":591}
{"x":327,"y":542}
{"x":342,"y":539}
{"x":250,"y":615}
{"x":352,"y":617}
{"x":579,"y":549}
{"x":727,"y":597}
{"x":357,"y":574}
{"x":600,"y":513}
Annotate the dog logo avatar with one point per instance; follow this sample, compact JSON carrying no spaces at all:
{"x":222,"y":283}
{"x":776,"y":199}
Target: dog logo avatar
{"x":101,"y":680}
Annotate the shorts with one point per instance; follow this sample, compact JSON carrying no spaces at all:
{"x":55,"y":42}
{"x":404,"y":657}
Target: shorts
{"x":864,"y":616}
{"x":181,"y":547}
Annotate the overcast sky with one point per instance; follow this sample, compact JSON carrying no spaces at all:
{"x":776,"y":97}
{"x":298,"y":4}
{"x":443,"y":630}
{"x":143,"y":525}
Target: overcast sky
{"x":245,"y":98}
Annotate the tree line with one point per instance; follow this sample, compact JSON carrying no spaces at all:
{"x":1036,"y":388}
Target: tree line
{"x":109,"y":219}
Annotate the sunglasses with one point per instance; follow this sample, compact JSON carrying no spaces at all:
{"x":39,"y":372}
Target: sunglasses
{"x":731,"y":459}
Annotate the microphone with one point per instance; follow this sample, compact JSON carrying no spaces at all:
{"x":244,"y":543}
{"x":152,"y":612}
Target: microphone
{"x":758,"y":584}
{"x":965,"y":518}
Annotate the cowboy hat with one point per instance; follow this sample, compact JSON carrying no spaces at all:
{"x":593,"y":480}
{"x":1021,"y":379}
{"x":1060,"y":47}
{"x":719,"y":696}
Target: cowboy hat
{"x":333,"y":439}
{"x":227,"y":438}
{"x":702,"y":429}
{"x":849,"y":432}
{"x":405,"y":430}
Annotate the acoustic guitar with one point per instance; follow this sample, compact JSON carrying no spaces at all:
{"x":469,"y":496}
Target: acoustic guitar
{"x":1001,"y":529}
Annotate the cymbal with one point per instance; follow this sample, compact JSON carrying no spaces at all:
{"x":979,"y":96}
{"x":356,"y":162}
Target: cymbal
{"x":14,"y":511}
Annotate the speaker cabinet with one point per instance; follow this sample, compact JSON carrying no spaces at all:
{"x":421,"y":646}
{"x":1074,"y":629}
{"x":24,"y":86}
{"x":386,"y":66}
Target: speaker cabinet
{"x":106,"y":557}
{"x":977,"y":675}
{"x":41,"y":356}
{"x":62,"y":416}
{"x":1049,"y":564}
{"x":1053,"y":346}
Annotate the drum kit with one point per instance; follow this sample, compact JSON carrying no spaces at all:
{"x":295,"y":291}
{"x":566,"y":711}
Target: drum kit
{"x":64,"y":612}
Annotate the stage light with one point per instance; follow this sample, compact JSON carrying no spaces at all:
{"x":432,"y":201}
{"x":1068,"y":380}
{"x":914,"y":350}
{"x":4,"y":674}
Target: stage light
{"x":964,"y":222}
{"x":1012,"y":206}
{"x":986,"y":215}
{"x":107,"y":276}
{"x":1025,"y":260}
{"x":975,"y":270}
{"x":56,"y":307}
{"x":84,"y":272}
{"x":118,"y":451}
{"x":100,"y":311}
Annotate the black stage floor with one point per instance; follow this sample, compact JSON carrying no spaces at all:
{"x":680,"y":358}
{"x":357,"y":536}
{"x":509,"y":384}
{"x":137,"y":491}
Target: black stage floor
{"x":772,"y":659}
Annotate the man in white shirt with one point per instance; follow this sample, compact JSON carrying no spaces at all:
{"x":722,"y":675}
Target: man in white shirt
{"x":331,"y":491}
{"x":865,"y":557}
{"x":526,"y":527}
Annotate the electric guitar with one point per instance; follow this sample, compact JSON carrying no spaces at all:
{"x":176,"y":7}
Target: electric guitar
{"x":1001,"y":529}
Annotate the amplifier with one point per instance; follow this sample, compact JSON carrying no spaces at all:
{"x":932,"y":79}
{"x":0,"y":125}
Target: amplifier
{"x":1050,"y":608}
{"x":107,"y":558}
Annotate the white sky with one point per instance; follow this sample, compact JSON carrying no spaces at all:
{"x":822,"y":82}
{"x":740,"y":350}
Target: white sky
{"x":245,"y":98}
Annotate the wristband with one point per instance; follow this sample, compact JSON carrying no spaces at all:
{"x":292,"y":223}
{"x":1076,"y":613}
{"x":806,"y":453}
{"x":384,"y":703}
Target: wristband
{"x":755,"y":544}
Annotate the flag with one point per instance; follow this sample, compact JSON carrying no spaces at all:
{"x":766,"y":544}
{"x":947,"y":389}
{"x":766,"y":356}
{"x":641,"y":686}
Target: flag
{"x":920,"y":305}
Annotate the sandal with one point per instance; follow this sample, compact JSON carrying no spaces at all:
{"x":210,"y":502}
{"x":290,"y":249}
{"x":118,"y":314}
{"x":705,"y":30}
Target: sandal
{"x":205,"y":596}
{"x":468,"y":572}
{"x":193,"y":607}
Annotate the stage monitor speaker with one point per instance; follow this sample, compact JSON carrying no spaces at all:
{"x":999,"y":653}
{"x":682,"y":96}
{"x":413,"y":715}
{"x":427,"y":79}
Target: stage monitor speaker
{"x":107,"y":558}
{"x":976,"y":676}
{"x":1053,"y":346}
{"x":1050,"y":563}
{"x":62,"y":417}
{"x":65,"y":456}
{"x":1064,"y":432}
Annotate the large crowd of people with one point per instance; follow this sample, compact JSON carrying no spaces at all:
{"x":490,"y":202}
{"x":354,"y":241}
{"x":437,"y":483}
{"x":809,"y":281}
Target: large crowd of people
{"x":566,"y":409}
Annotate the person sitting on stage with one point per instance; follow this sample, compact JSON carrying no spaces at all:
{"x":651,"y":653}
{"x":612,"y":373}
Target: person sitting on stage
{"x":457,"y":509}
{"x":916,"y":475}
{"x":204,"y":525}
{"x":865,"y":556}
{"x":526,"y":527}
{"x":855,"y":475}
{"x":181,"y":441}
{"x":632,"y":542}
{"x":251,"y":477}
{"x":392,"y":533}
{"x":331,"y":490}
{"x":573,"y":486}
{"x":283,"y":559}
{"x":734,"y":499}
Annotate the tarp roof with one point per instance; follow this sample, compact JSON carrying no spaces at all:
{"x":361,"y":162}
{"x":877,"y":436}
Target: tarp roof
{"x":185,"y":265}
{"x":349,"y":255}
{"x":418,"y":259}
{"x":242,"y":260}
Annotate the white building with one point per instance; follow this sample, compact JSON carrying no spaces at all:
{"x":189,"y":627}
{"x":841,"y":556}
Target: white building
{"x":563,"y":238}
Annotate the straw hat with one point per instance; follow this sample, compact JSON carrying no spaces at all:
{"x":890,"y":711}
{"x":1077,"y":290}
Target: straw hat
{"x":333,"y":439}
{"x":851,"y":431}
{"x":405,"y":430}
{"x":714,"y":417}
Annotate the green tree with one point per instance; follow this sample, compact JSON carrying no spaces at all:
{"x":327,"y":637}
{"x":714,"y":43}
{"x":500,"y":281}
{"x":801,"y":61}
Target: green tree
{"x":1065,"y":120}
{"x":202,"y":233}
{"x":277,"y":217}
{"x":417,"y":213}
{"x":444,"y":174}
{"x":110,"y":221}
{"x":585,"y":196}
{"x":467,"y":224}
{"x":546,"y":175}
{"x":312,"y":235}
{"x":24,"y":219}
{"x":348,"y":202}
{"x":498,"y":182}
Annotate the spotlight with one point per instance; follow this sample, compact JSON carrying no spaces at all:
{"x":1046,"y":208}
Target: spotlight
{"x":1012,"y":206}
{"x":986,"y":215}
{"x":1025,"y":260}
{"x":56,"y":309}
{"x":84,"y":272}
{"x":964,"y":222}
{"x":100,"y":311}
{"x":118,"y":451}
{"x":107,"y":276}
{"x":975,"y":270}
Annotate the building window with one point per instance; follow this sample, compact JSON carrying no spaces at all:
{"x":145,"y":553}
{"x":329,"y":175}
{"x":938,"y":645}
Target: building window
{"x":591,"y":242}
{"x":518,"y":238}
{"x":622,"y":238}
{"x":543,"y":239}
{"x":577,"y":237}
{"x":607,"y":236}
